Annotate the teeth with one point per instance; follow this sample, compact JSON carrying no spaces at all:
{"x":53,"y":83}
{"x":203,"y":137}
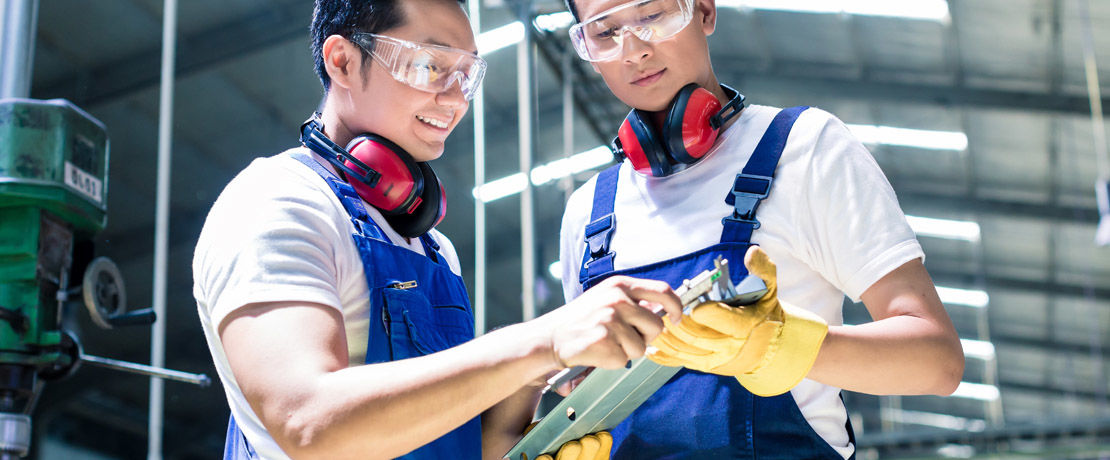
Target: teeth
{"x":433,"y":122}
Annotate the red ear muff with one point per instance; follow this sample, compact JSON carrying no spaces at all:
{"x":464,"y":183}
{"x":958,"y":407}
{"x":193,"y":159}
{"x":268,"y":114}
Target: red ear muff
{"x":427,"y":211}
{"x":687,"y":132}
{"x":401,"y":184}
{"x":641,"y":145}
{"x":408,"y":194}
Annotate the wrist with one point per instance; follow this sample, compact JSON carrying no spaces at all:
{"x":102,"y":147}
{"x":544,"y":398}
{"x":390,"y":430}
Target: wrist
{"x":536,"y":343}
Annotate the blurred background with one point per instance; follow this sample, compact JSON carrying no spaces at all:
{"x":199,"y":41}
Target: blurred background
{"x":978,"y":111}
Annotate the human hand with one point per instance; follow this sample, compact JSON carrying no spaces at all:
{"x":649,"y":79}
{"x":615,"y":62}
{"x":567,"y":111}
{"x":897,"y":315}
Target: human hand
{"x":769,"y":346}
{"x":609,"y":324}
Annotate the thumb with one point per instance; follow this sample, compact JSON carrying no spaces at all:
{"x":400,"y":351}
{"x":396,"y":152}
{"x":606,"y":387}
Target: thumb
{"x":759,"y":264}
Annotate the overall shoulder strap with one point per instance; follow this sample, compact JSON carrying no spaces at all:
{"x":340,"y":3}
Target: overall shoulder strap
{"x":599,"y":231}
{"x":753,"y":184}
{"x":347,"y":196}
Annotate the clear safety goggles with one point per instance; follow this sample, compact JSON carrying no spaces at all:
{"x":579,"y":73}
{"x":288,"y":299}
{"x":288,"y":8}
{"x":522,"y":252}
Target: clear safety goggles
{"x":431,"y":68}
{"x":601,"y":37}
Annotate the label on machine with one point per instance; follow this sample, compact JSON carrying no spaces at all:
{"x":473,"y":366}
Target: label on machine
{"x":83,"y":182}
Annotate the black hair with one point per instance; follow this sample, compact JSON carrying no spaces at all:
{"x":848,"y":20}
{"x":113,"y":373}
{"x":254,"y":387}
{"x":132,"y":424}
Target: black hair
{"x":345,"y":18}
{"x":573,"y":10}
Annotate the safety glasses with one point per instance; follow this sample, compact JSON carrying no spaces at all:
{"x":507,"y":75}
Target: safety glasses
{"x":601,"y":37}
{"x":431,"y":68}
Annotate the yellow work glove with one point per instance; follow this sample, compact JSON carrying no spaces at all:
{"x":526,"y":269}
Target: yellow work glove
{"x":590,"y":447}
{"x":769,"y":346}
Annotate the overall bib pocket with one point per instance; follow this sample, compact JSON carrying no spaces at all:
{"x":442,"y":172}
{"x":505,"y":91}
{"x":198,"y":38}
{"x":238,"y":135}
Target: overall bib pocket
{"x":417,"y":328}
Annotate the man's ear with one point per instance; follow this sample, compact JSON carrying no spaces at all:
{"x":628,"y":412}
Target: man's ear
{"x":342,"y":61}
{"x":708,"y":9}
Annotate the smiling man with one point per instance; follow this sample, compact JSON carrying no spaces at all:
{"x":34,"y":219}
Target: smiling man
{"x":761,"y":381}
{"x":335,"y":313}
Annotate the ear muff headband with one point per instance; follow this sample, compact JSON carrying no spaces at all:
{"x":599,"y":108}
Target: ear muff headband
{"x":312,"y":136}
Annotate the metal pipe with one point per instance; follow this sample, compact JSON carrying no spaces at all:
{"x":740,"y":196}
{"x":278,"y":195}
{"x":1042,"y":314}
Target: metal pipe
{"x":524,"y":116}
{"x":161,"y":225}
{"x":18,"y":24}
{"x":1094,"y":93}
{"x":157,"y":372}
{"x":567,"y":183}
{"x":479,"y":105}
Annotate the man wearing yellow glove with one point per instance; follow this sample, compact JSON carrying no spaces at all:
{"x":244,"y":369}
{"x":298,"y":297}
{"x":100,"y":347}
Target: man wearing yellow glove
{"x":759,"y":381}
{"x":769,"y":346}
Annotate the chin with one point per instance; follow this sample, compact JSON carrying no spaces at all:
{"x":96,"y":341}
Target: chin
{"x":428,"y":154}
{"x":652,"y":99}
{"x":646,"y":103}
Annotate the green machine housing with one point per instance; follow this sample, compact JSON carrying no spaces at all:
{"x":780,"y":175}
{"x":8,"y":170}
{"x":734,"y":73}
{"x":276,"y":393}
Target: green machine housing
{"x":53,"y":193}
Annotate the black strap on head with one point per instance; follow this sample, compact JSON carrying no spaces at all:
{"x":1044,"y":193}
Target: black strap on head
{"x":731,"y":109}
{"x":313,"y":137}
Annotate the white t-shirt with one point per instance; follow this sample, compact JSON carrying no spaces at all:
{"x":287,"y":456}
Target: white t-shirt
{"x":831,"y":224}
{"x":277,"y":232}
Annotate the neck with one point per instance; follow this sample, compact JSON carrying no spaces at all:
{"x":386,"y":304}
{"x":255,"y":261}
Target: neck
{"x":334,"y":127}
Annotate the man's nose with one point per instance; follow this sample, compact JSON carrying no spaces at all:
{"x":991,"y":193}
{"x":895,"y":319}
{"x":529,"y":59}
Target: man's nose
{"x":632,"y":47}
{"x":452,"y":96}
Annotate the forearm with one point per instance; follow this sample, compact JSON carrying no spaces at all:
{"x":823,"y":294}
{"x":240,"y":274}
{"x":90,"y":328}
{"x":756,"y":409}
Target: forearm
{"x":904,"y":355}
{"x":394,"y":407}
{"x":503,"y":424}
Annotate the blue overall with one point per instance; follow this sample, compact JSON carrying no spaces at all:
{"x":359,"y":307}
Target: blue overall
{"x":699,"y":415}
{"x":418,"y":306}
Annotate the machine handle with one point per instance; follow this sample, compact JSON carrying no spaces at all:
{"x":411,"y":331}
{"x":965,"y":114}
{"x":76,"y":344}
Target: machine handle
{"x":133,"y":318}
{"x":196,"y":379}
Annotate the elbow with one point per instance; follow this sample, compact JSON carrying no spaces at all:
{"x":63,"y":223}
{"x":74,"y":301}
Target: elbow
{"x":951,"y":368}
{"x":310,"y":434}
{"x":302,"y":436}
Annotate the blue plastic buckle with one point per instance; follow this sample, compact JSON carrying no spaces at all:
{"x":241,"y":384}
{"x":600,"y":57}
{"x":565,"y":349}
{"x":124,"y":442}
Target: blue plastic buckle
{"x":747,"y":192}
{"x":598,"y":235}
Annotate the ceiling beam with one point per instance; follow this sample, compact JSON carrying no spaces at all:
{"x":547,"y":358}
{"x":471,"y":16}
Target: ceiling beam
{"x":279,"y":23}
{"x":1013,"y":340}
{"x":812,"y":85}
{"x":1050,"y":432}
{"x":267,"y":27}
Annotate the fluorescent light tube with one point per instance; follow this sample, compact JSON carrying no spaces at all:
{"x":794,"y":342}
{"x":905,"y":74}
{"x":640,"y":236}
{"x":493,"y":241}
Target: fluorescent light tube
{"x":556,"y":270}
{"x":944,"y":228}
{"x":501,"y":188}
{"x":978,"y":349}
{"x":554,"y":21}
{"x":545,"y":173}
{"x":919,"y":138}
{"x":948,"y":422}
{"x":501,"y":37}
{"x":971,"y":298}
{"x":978,"y":391}
{"x":577,"y":163}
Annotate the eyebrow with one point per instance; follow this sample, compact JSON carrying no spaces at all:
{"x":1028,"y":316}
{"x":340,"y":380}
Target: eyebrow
{"x":432,"y":41}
